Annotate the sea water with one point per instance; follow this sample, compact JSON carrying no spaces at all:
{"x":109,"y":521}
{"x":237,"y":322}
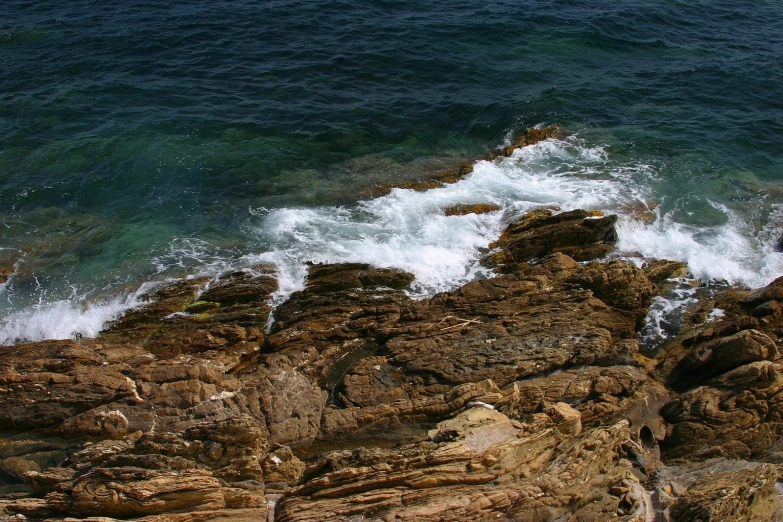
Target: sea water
{"x":142,"y":141}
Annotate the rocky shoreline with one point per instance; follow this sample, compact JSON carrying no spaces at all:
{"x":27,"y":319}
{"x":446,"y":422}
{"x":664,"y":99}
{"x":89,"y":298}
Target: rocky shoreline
{"x":522,"y":397}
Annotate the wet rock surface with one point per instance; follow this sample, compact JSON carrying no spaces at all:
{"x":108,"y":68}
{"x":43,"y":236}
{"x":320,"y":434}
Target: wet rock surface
{"x":5,"y":273}
{"x":441,"y":177}
{"x":7,"y":265}
{"x":519,"y":397}
{"x":579,"y":234}
{"x":463,"y":210}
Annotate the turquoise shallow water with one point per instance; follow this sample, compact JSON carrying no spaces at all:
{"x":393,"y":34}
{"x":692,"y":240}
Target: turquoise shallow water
{"x":144,"y":140}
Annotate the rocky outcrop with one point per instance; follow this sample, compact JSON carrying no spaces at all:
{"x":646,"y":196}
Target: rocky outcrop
{"x":482,"y":343}
{"x":177,"y":430}
{"x":579,"y":234}
{"x":187,"y":404}
{"x":722,"y":490}
{"x":477,"y":465}
{"x":659,"y":270}
{"x":519,"y":397}
{"x":530,"y":137}
{"x":727,"y":373}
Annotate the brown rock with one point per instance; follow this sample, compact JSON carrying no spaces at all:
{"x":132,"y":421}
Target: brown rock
{"x":532,"y":136}
{"x":128,"y":491}
{"x":462,"y":342}
{"x":477,"y":334}
{"x":48,"y":480}
{"x":166,"y":299}
{"x":726,"y":373}
{"x":18,"y":466}
{"x":735,"y":415}
{"x":658,"y":271}
{"x":253,"y":285}
{"x":567,"y":420}
{"x":771,"y":309}
{"x":479,"y":427}
{"x":427,"y":181}
{"x":462,"y":210}
{"x":771,"y":292}
{"x":520,"y":397}
{"x":5,"y":273}
{"x":36,"y":508}
{"x":621,"y":285}
{"x":732,"y":496}
{"x":55,"y":380}
{"x":282,"y":469}
{"x":642,"y":211}
{"x":8,"y":263}
{"x":229,"y":310}
{"x":327,"y":328}
{"x":723,"y":354}
{"x":579,"y":234}
{"x":331,"y":278}
{"x":294,"y":406}
{"x":159,"y":372}
{"x":600,"y":394}
{"x":481,"y":465}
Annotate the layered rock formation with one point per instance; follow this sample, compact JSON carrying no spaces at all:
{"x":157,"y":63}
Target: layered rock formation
{"x":520,"y":397}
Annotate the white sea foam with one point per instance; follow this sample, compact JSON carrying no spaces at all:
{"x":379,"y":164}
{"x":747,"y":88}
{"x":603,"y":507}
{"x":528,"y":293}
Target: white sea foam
{"x":189,"y":255}
{"x":66,"y":318}
{"x":665,"y":315}
{"x":409,"y":230}
{"x":716,"y":314}
{"x":729,"y":252}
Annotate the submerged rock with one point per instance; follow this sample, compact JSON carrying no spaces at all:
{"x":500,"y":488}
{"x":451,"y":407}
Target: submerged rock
{"x":439,"y":178}
{"x":8,"y":263}
{"x":640,"y":211}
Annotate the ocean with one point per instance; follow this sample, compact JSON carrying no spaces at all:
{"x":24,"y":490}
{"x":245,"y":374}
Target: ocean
{"x":143,"y":141}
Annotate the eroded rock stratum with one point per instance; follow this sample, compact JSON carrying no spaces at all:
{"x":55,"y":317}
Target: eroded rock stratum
{"x":520,"y":397}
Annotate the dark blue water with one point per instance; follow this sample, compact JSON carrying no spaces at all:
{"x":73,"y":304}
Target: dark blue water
{"x":146,"y":140}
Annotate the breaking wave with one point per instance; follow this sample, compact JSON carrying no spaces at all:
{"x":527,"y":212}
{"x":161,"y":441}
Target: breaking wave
{"x":409,"y":230}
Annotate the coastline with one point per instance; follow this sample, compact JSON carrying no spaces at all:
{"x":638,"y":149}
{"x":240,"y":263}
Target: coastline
{"x":284,"y":262}
{"x":436,"y":232}
{"x":525,"y":395}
